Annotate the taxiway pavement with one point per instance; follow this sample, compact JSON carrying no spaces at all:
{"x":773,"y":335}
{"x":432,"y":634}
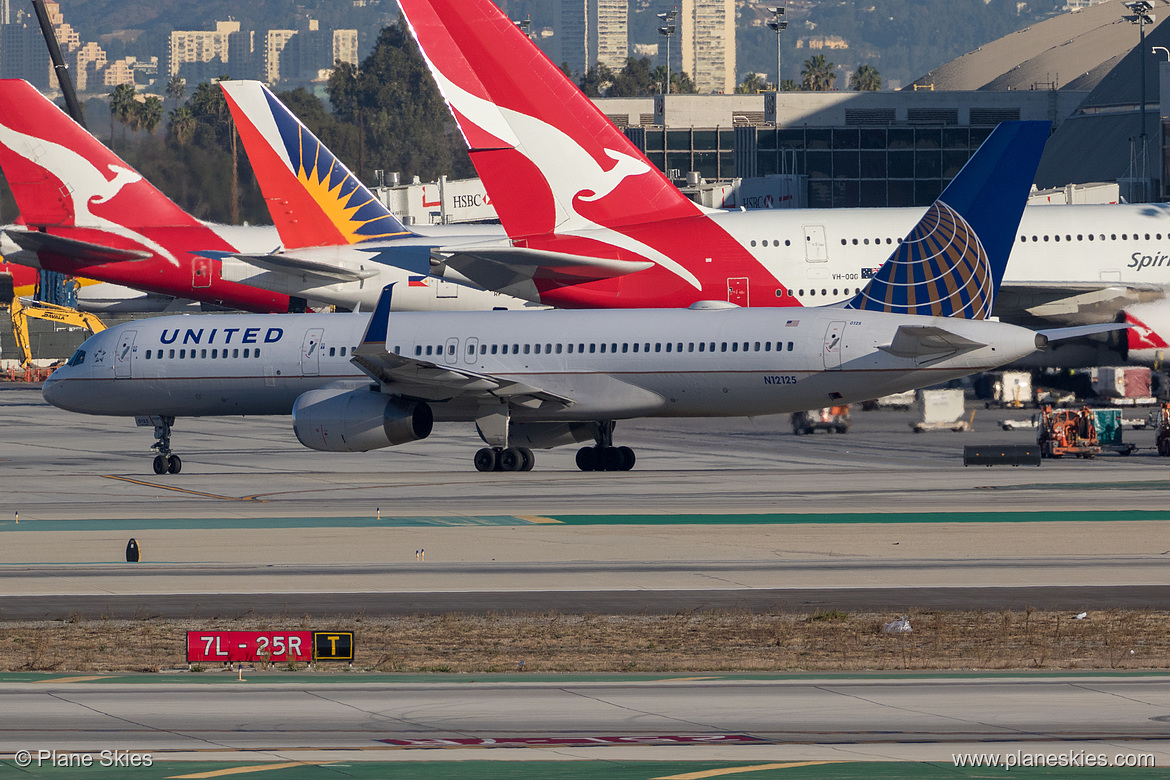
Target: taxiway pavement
{"x":854,"y":719}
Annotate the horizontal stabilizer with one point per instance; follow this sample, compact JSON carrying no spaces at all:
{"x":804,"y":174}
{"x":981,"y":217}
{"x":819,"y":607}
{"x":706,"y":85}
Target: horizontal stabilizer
{"x":918,"y":341}
{"x":296,"y":265}
{"x":536,"y":263}
{"x":80,"y":251}
{"x":1043,"y":337}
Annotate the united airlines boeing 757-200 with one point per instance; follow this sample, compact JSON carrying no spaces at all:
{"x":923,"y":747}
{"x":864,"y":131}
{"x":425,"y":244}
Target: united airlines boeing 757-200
{"x":535,"y":379}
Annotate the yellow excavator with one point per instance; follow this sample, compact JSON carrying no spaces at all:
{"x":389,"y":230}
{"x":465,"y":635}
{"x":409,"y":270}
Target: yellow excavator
{"x":22,"y":309}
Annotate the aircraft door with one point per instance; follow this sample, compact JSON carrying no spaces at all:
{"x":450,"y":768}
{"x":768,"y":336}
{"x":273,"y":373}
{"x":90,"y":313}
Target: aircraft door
{"x":816,"y":246}
{"x":124,"y":357}
{"x":834,"y":335}
{"x":737,"y":291}
{"x":311,"y":352}
{"x":472,"y":348}
{"x":200,"y":272}
{"x":446,"y":289}
{"x":451,"y":351}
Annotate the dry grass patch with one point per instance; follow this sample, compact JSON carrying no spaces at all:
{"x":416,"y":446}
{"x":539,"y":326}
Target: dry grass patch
{"x":685,"y":642}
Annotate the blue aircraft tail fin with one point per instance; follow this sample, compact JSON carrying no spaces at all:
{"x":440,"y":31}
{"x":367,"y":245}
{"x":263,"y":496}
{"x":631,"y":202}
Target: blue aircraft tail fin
{"x":952,"y":262}
{"x":379,"y":324}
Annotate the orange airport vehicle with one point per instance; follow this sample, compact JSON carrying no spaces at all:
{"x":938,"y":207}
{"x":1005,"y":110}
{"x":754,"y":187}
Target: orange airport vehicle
{"x":831,"y":418}
{"x":1068,"y":432}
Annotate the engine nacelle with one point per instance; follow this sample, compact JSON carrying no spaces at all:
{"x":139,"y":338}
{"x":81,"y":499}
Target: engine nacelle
{"x":339,"y":420}
{"x":1148,"y":339}
{"x":544,"y":436}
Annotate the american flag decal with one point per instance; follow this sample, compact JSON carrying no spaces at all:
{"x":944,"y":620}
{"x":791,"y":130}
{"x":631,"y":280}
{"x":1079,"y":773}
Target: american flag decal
{"x":792,"y":323}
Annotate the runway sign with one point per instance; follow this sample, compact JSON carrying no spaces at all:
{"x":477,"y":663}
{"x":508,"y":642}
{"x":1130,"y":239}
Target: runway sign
{"x":249,"y":646}
{"x":333,"y":645}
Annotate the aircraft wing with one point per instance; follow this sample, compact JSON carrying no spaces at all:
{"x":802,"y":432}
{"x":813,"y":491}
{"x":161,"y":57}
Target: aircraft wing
{"x":298,"y":266}
{"x":497,"y":267}
{"x":422,"y":379}
{"x":81,"y":251}
{"x":928,"y":341}
{"x":1074,"y":303}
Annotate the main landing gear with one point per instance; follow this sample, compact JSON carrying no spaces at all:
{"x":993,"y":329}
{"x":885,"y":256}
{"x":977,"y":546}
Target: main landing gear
{"x":164,"y":461}
{"x":605,"y":456}
{"x":504,"y":459}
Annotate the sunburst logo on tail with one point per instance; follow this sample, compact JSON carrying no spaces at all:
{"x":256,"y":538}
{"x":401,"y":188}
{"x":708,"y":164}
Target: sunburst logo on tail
{"x":352,"y":208}
{"x":940,"y":270}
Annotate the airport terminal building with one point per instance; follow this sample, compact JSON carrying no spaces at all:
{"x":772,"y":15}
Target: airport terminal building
{"x":1083,"y":71}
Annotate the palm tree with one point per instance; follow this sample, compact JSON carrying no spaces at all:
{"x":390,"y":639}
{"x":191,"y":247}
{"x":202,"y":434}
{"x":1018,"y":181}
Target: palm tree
{"x":176,"y":89}
{"x":751,"y":84}
{"x":819,"y":75}
{"x":866,"y":79}
{"x":123,"y":107}
{"x":182,"y":125}
{"x":150,"y":114}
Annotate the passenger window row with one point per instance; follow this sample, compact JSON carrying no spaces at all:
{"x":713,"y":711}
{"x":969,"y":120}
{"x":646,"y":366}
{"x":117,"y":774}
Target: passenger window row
{"x":824,"y":291}
{"x":775,"y":242}
{"x":865,"y":241}
{"x":202,"y":353}
{"x":610,"y":348}
{"x":1092,"y":237}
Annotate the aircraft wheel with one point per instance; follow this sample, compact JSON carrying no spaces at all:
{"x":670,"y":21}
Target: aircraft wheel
{"x":160,"y":464}
{"x":510,"y":459}
{"x":485,"y":459}
{"x":628,"y":458}
{"x":611,"y":459}
{"x":174,"y":465}
{"x":587,"y":459}
{"x":527,"y":459}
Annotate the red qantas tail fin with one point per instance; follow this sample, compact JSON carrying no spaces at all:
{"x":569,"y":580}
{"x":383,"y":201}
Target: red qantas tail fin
{"x":548,"y":157}
{"x":62,"y":176}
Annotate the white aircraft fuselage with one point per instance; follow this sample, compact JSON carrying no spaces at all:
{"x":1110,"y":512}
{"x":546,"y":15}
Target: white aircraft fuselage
{"x":612,"y":365}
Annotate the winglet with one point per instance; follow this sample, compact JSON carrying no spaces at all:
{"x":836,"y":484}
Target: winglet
{"x":379,"y":321}
{"x":952,"y":262}
{"x":314,"y":199}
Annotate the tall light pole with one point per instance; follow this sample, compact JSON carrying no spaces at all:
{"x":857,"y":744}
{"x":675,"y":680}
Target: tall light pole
{"x":1141,"y":16}
{"x":778,"y":24}
{"x":667,"y":30}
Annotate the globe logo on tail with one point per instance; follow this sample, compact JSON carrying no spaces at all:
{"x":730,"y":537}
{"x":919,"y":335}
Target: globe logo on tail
{"x":941,"y":269}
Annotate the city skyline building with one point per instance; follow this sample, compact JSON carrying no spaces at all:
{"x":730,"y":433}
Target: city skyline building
{"x":594,"y":32}
{"x":706,"y":42}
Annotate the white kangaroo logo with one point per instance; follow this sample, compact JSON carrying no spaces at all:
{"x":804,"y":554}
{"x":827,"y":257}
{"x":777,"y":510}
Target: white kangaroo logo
{"x":570,"y":171}
{"x":84,"y":183}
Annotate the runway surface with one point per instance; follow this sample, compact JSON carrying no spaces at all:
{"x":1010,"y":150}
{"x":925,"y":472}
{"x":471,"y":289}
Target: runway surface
{"x":852,"y":719}
{"x":718,"y":514}
{"x":58,"y":465}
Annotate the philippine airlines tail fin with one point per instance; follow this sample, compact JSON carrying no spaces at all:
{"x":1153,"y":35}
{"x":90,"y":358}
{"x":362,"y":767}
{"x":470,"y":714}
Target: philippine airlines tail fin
{"x":952,"y":262}
{"x":548,"y":157}
{"x":61,"y":175}
{"x":313,"y":198}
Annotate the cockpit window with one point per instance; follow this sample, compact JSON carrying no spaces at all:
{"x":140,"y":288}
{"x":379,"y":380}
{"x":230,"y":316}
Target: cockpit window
{"x":78,"y":358}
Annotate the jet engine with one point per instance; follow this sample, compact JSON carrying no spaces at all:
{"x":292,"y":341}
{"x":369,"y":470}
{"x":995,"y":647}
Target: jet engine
{"x":340,"y":420}
{"x":544,"y":436}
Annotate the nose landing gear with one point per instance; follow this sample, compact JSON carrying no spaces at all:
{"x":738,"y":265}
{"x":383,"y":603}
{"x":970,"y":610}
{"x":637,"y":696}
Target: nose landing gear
{"x":164,"y":461}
